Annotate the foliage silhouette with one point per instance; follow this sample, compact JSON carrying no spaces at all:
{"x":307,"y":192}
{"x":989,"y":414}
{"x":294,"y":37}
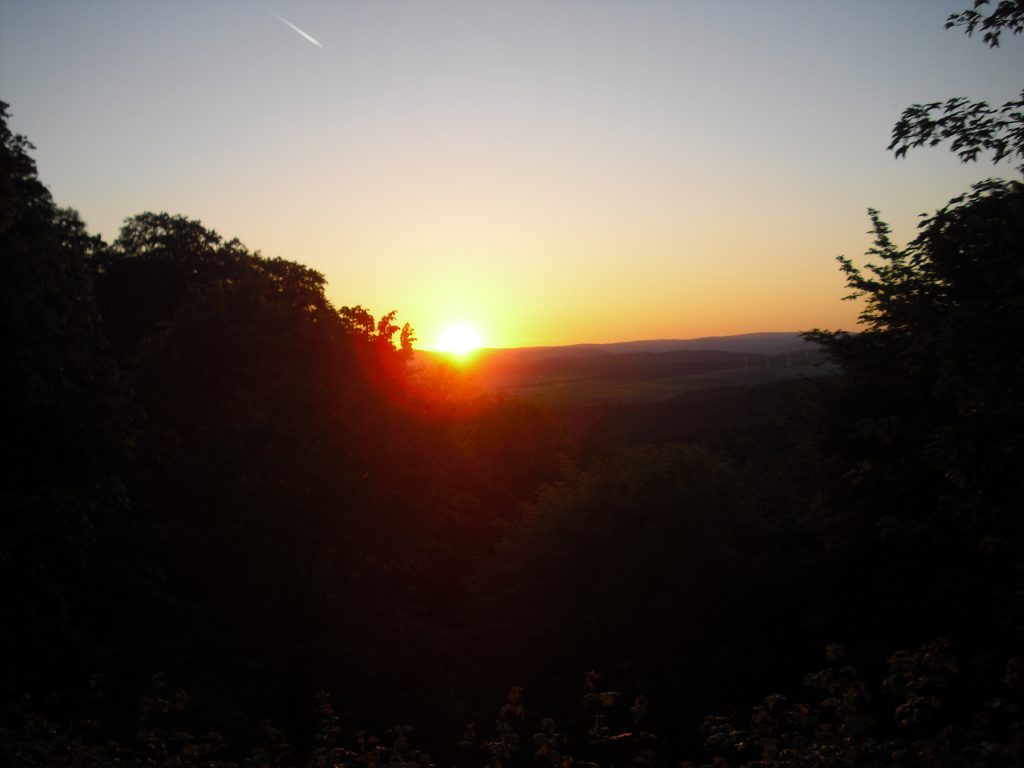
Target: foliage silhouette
{"x":1008,"y":15}
{"x":926,"y":420}
{"x":973,"y":127}
{"x":918,"y":716}
{"x":63,"y":415}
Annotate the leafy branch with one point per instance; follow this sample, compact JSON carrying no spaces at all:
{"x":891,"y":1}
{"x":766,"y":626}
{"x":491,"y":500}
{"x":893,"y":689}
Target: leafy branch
{"x":973,"y":127}
{"x":1007,"y":15}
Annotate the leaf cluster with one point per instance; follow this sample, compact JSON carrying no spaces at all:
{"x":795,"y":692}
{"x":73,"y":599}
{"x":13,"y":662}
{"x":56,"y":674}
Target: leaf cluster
{"x":1007,"y":16}
{"x":917,"y":716}
{"x":972,"y":127}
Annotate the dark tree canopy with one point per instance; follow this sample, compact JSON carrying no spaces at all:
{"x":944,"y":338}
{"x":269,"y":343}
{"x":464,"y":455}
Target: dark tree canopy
{"x":937,"y":359}
{"x":63,"y":411}
{"x":940,"y":343}
{"x":923,"y":426}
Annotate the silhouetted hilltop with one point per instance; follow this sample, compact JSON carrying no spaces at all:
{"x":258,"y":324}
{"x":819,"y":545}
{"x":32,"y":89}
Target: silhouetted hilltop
{"x":770,"y":343}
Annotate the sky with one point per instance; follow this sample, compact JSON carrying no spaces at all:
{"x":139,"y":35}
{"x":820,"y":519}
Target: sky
{"x":546,"y":172}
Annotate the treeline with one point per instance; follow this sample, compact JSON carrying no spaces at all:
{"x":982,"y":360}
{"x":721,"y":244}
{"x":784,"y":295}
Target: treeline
{"x":218,"y":475}
{"x":241,"y":527}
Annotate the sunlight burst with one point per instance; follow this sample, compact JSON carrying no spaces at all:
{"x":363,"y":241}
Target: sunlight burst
{"x":459,"y":340}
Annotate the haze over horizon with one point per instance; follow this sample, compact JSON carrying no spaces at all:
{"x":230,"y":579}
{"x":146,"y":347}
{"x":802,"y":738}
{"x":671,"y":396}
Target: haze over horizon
{"x":547,"y":173}
{"x":776,"y":341}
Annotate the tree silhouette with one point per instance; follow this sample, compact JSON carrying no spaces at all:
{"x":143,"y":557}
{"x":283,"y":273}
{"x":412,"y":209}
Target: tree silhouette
{"x":940,"y":348}
{"x":1008,"y":15}
{"x":64,"y":415}
{"x":972,"y":127}
{"x":928,"y":415}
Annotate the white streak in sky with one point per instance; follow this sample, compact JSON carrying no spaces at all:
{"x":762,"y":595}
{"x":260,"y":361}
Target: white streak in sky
{"x":311,"y":39}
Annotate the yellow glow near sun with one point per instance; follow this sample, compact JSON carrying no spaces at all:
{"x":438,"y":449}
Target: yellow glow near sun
{"x":459,"y":339}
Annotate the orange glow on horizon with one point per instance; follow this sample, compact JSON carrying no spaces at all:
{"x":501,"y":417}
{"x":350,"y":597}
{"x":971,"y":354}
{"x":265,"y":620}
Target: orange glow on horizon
{"x":459,"y":340}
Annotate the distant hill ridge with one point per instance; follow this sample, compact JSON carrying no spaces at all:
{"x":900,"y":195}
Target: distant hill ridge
{"x":765,"y":343}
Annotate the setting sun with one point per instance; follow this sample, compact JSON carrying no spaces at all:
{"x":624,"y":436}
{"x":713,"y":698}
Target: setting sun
{"x":459,"y":339}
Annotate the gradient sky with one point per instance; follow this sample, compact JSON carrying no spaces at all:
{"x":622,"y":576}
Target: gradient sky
{"x":550,"y":172}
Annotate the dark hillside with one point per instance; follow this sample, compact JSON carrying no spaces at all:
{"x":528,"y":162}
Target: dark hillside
{"x":633,"y":365}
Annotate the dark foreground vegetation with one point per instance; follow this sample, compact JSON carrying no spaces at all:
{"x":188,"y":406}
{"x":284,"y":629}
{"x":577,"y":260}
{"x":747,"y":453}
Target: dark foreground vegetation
{"x":238,"y":530}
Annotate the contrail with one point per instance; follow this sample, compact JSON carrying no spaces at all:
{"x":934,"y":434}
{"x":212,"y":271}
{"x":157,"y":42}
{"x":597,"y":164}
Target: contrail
{"x":311,"y":39}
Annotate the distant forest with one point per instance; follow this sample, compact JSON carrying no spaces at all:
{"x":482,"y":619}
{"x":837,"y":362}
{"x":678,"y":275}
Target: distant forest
{"x":240,"y":527}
